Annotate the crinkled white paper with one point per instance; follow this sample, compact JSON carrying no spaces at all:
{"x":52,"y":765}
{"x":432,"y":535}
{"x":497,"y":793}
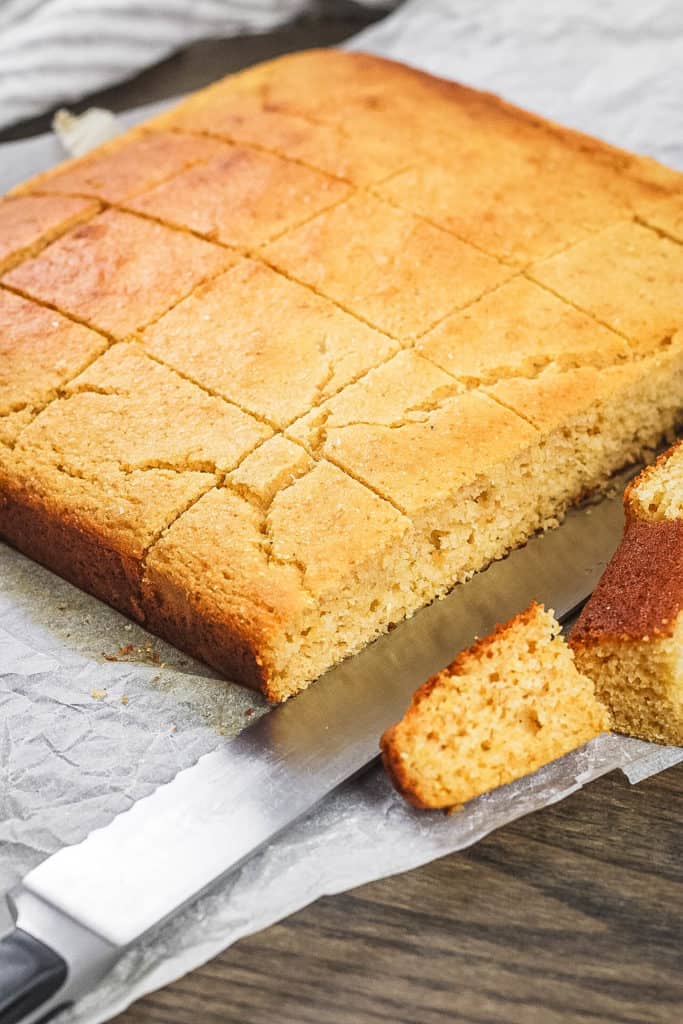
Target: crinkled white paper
{"x":95,"y":713}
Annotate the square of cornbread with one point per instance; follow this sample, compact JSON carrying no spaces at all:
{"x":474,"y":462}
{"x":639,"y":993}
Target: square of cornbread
{"x":628,"y":277}
{"x":28,"y":223}
{"x":118,"y":272}
{"x":123,"y":167}
{"x":386,"y":266}
{"x":629,"y":637}
{"x":516,"y":331}
{"x":241,"y":196}
{"x":39,"y":351}
{"x":494,"y":191}
{"x":87,"y":496}
{"x":247,"y":331}
{"x":507,"y":705}
{"x":306,"y":575}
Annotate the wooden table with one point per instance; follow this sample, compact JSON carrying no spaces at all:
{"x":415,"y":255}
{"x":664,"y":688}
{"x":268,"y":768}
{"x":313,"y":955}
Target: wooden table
{"x":570,"y":916}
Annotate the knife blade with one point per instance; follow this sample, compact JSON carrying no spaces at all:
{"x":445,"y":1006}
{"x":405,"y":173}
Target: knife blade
{"x":78,"y":911}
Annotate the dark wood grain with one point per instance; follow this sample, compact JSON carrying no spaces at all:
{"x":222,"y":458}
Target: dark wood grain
{"x":569,"y":916}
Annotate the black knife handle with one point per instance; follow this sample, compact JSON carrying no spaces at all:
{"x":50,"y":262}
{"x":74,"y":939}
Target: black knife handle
{"x":30,"y":974}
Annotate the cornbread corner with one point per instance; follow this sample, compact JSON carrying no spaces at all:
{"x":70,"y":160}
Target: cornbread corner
{"x":505,"y":707}
{"x":87,"y":498}
{"x":118,"y":272}
{"x":629,"y":636}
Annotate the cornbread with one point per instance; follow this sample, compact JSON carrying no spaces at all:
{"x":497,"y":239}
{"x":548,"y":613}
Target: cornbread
{"x":28,"y":223}
{"x":509,"y":704}
{"x":629,"y":636}
{"x":332,"y":335}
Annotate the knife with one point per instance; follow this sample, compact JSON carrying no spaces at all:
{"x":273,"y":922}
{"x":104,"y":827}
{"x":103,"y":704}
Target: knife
{"x":77,"y":912}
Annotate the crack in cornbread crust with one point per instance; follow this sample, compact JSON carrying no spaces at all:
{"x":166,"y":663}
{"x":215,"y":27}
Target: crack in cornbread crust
{"x":368,"y":106}
{"x":507,"y":705}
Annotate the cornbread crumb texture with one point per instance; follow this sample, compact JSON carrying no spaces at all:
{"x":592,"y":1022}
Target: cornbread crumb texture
{"x":27,"y":223}
{"x":39,"y":351}
{"x":627,"y":276}
{"x":241,"y":196}
{"x":277,"y":604}
{"x":118,"y":272}
{"x":629,"y":636}
{"x":506,"y":706}
{"x":657,"y":493}
{"x":125,"y":166}
{"x":247,"y":332}
{"x":384,"y":265}
{"x":126,"y":484}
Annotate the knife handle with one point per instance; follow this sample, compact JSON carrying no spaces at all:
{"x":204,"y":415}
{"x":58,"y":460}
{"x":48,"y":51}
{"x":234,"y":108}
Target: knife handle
{"x":30,"y":974}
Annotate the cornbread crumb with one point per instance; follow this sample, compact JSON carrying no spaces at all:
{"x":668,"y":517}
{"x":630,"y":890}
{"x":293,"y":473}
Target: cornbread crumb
{"x":506,"y":706}
{"x":98,"y":694}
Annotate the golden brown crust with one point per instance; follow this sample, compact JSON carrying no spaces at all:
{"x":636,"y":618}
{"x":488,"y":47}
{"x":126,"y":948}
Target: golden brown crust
{"x":640,"y":594}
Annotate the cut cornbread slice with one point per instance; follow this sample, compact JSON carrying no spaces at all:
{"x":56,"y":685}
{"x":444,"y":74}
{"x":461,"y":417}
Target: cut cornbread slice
{"x":87,"y":498}
{"x":627,"y":276}
{"x":28,"y":223}
{"x":301,"y":582}
{"x":629,"y":636}
{"x":246,"y":332}
{"x":241,"y":196}
{"x":39,"y":351}
{"x":118,"y":272}
{"x":385,"y":265}
{"x":126,"y":166}
{"x":598,"y":419}
{"x":665,"y":215}
{"x":506,"y":706}
{"x":494,"y":192}
{"x":515,"y":331}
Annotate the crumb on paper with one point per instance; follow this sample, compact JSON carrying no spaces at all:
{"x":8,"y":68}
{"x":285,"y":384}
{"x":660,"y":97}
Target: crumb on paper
{"x":124,"y":699}
{"x":125,"y":649}
{"x":109,"y":657}
{"x":98,"y":694}
{"x":249,"y":711}
{"x":455,"y":809}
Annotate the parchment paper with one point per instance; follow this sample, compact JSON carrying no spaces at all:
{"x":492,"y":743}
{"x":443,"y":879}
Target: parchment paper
{"x":96,"y":713}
